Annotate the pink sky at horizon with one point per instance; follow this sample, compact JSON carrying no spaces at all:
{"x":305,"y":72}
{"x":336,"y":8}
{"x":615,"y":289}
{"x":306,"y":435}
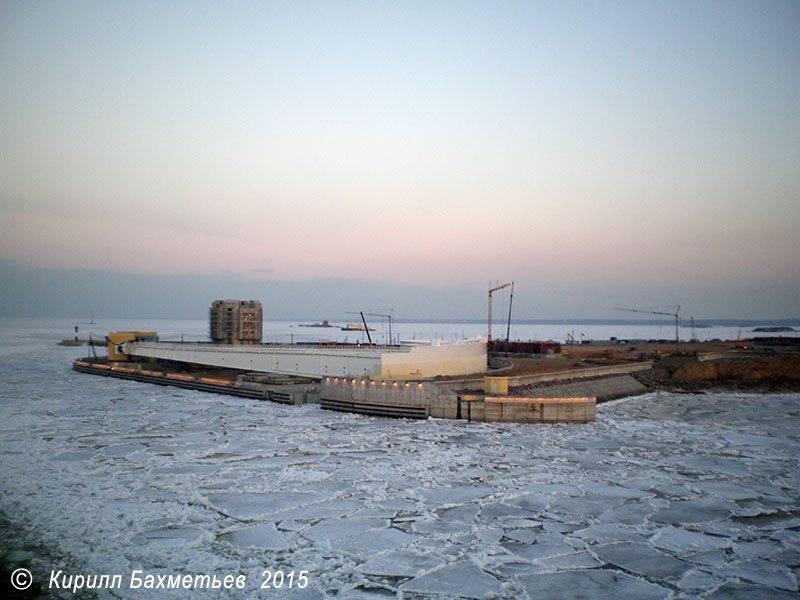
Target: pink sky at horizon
{"x":649,"y":145}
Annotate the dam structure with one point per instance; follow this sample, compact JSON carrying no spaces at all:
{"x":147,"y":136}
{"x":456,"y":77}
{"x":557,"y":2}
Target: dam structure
{"x":401,"y":380}
{"x":394,"y":381}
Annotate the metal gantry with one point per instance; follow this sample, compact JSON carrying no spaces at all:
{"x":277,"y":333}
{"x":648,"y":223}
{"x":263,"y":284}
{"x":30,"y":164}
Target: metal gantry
{"x":660,"y":312}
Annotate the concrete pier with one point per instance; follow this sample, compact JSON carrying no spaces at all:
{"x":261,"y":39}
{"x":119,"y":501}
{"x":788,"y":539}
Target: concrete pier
{"x":286,"y":393}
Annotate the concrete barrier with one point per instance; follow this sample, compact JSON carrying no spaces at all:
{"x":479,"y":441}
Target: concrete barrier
{"x":476,"y":384}
{"x":539,"y":410}
{"x":397,"y":398}
{"x":603,"y":389}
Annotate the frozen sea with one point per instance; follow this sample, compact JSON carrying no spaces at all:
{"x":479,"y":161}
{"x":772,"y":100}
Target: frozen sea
{"x":664,"y":496}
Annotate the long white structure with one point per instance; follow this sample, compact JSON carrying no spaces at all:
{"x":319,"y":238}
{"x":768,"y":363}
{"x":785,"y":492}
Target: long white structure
{"x":405,"y":362}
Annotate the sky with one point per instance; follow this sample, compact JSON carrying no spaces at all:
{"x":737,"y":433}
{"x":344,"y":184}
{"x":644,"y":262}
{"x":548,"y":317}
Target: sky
{"x":326,"y":156}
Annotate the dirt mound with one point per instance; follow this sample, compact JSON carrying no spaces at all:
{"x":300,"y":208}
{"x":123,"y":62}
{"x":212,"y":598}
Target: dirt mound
{"x":779,"y":368}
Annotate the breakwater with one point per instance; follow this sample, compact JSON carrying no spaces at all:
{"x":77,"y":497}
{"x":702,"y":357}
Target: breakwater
{"x":285,"y":393}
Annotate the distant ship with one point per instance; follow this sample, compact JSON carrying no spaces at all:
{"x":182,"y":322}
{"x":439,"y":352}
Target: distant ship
{"x":323,"y":324}
{"x":352,"y":327}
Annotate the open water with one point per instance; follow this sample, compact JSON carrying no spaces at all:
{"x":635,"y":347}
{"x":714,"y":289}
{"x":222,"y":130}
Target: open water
{"x":664,"y":496}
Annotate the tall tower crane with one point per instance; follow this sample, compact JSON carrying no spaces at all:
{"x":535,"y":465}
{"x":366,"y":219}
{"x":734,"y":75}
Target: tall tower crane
{"x":491,"y":291}
{"x":660,"y":312}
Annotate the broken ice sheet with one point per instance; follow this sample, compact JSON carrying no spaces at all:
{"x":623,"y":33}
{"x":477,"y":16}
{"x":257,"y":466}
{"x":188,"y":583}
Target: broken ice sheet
{"x":748,"y":591}
{"x":74,"y":456}
{"x":584,"y":506}
{"x":681,"y":541}
{"x":439,"y":529}
{"x":576,"y":560}
{"x":534,"y":502}
{"x":452,"y":496}
{"x":724,"y":489}
{"x":494,"y":510}
{"x":544,"y":545}
{"x":590,"y":584}
{"x":339,"y":529}
{"x":119,"y":450}
{"x":614,"y":491}
{"x":641,"y":558}
{"x":249,"y":506}
{"x":630,"y":513}
{"x":321,"y":510}
{"x":464,"y":512}
{"x":697,"y":579}
{"x":703,"y":464}
{"x":371,"y":542}
{"x":400,"y":563}
{"x":461,"y":579}
{"x":606,"y":533}
{"x":260,"y":536}
{"x":694,"y":511}
{"x":168,"y":536}
{"x":767,"y":573}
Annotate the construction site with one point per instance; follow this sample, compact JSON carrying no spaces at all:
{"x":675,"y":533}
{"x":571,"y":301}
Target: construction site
{"x":474,"y":379}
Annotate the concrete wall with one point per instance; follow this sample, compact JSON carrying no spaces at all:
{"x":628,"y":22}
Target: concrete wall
{"x":404,"y":393}
{"x":517,"y":380}
{"x":288,"y":360}
{"x":444,"y":404}
{"x":408,"y":362}
{"x":430,"y":361}
{"x":539,"y":410}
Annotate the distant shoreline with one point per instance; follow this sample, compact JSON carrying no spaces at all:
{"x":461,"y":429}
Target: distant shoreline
{"x":683,"y":323}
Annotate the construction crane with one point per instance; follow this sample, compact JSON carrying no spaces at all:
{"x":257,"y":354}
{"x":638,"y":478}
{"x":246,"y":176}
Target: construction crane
{"x":491,"y":291}
{"x":366,"y":328}
{"x":388,"y":315}
{"x":660,"y":312}
{"x":508,"y":329}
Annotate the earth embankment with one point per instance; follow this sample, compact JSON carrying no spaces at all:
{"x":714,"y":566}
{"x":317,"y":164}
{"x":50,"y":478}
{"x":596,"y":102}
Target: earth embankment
{"x":745,"y":373}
